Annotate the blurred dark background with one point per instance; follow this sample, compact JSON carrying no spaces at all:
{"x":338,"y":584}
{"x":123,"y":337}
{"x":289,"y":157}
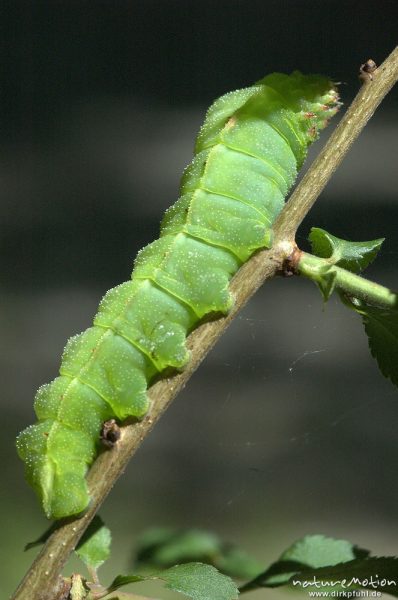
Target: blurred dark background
{"x":288,"y":428}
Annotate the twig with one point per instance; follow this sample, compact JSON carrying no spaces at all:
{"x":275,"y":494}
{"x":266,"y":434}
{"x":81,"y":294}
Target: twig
{"x":44,"y":575}
{"x":349,"y":283}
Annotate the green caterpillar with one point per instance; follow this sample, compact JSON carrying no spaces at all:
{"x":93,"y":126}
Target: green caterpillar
{"x":246,"y":158}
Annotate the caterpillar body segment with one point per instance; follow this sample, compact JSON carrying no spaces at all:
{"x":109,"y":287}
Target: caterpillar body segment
{"x":246,"y":158}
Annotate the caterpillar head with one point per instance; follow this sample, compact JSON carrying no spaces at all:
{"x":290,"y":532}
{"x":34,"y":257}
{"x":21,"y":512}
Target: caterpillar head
{"x":313,"y":98}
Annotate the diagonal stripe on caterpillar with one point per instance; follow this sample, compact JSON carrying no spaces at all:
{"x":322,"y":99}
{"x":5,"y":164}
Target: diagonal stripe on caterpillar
{"x":247,"y":155}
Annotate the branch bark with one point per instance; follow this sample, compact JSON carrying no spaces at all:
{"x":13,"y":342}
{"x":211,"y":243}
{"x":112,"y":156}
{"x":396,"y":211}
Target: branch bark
{"x":43,"y":578}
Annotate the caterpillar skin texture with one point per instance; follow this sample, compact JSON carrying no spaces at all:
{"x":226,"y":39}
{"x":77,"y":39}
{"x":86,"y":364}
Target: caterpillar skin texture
{"x":247,"y":155}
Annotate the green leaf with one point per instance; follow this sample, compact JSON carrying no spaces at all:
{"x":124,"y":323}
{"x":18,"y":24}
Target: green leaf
{"x":321,"y":551}
{"x":151,"y":538}
{"x":353,"y":256}
{"x":94,"y":547}
{"x":199,"y":582}
{"x":236,"y":562}
{"x":312,"y":551}
{"x":381,"y":326}
{"x":195,"y":580}
{"x":164,"y":547}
